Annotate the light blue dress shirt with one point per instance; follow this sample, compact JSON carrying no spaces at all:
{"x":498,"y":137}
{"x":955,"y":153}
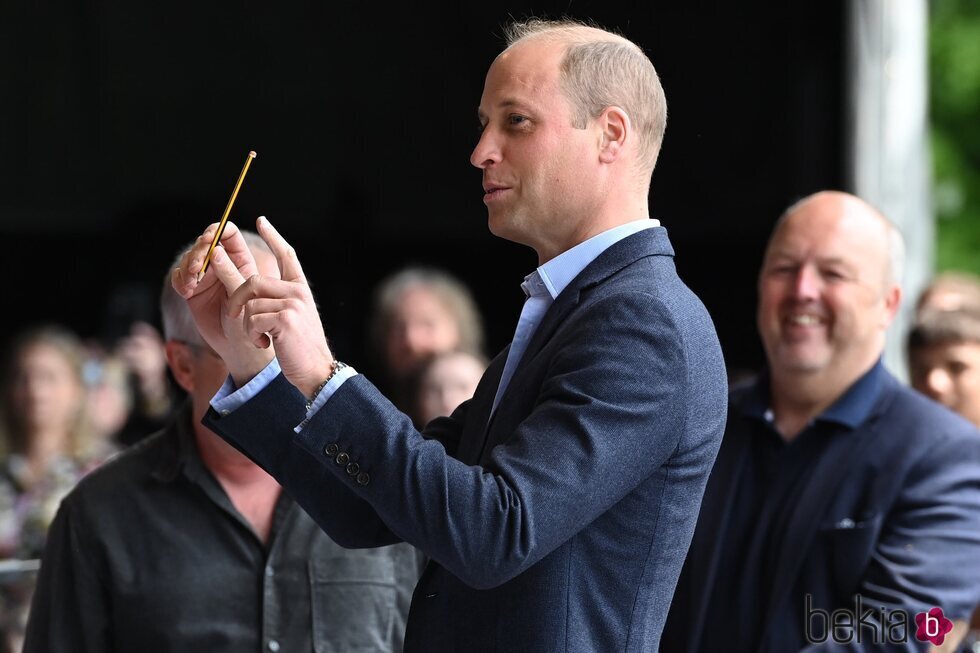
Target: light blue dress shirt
{"x":228,"y":398}
{"x":542,"y":287}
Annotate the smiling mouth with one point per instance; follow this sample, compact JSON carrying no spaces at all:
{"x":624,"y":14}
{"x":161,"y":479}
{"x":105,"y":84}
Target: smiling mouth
{"x":804,"y":320}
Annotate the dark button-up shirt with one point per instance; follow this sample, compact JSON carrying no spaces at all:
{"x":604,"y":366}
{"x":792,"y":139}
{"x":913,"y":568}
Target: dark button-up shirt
{"x":768,"y":493}
{"x":148,"y":554}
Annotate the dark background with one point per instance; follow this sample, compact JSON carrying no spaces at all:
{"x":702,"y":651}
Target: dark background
{"x":123,"y":127}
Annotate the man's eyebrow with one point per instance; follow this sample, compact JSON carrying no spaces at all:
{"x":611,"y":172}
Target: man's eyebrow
{"x":506,"y":103}
{"x":779,"y":253}
{"x":838,"y":261}
{"x":787,"y":254}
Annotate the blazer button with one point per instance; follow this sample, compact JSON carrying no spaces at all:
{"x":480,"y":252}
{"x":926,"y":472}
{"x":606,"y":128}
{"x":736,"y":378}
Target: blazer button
{"x":353,"y":469}
{"x":331,"y":449}
{"x":342,"y":458}
{"x":363,"y":478}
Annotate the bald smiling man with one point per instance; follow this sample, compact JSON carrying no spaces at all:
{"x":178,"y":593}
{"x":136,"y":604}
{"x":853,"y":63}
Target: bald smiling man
{"x":839,"y":497}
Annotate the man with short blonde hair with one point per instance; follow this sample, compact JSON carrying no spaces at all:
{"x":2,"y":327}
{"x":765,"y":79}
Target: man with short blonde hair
{"x":557,"y":504}
{"x":602,"y":69}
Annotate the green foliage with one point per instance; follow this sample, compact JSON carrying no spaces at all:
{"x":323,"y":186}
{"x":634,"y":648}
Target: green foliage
{"x":954,"y":69}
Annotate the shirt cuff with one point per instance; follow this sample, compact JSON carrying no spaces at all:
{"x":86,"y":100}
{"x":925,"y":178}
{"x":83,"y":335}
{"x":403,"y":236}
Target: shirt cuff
{"x":325,"y":394}
{"x":228,"y":399}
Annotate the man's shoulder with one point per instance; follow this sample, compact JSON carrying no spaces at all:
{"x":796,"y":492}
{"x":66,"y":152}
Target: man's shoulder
{"x":628,"y":262}
{"x":915,"y":416}
{"x":119,"y":477}
{"x":897,"y":404}
{"x":654,"y":280}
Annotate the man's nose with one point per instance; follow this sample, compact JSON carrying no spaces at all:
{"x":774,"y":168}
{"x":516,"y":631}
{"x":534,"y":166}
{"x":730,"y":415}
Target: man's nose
{"x":486,"y":152}
{"x":806,"y":285}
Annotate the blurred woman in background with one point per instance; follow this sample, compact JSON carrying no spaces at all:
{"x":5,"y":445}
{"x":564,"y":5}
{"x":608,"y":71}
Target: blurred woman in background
{"x":46,"y":451}
{"x":447,"y":380}
{"x":419,"y":312}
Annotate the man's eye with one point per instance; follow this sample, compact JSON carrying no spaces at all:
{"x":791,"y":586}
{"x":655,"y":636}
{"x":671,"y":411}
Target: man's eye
{"x":515,"y":119}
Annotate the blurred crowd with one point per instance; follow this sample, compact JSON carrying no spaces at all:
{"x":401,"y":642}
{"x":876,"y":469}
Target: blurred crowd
{"x":69,"y":405}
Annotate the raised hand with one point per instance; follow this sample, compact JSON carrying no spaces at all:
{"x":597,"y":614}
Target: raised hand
{"x":231,"y":264}
{"x":144,"y":353}
{"x":285,"y":311}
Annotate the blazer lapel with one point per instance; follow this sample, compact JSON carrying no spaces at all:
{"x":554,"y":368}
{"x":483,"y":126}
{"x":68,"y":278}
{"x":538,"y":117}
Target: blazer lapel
{"x":649,"y":242}
{"x":830,"y":474}
{"x":472,"y":444}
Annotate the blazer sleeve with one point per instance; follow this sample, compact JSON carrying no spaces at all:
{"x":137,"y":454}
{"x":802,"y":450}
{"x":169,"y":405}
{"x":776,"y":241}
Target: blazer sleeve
{"x":928,"y":552}
{"x":262,"y":429}
{"x":610,"y":411}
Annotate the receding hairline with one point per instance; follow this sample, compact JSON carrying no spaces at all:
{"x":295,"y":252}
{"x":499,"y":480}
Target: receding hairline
{"x":566,"y":38}
{"x":585,"y":52}
{"x":567,"y":35}
{"x":569,"y":32}
{"x":852,"y":206}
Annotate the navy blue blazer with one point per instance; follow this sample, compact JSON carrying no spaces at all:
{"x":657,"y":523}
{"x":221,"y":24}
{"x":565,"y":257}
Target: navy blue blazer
{"x":891,"y":513}
{"x":560,"y":524}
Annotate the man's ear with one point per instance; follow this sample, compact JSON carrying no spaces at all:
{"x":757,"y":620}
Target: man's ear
{"x":181,"y":362}
{"x":893,"y":299}
{"x":616,"y":130}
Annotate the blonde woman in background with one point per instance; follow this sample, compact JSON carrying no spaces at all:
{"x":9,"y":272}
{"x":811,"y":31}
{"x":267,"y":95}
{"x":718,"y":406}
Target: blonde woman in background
{"x":47,"y":449}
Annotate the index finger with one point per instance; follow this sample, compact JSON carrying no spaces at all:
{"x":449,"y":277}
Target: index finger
{"x":185,"y":276}
{"x":236,"y":247}
{"x":289,"y":267}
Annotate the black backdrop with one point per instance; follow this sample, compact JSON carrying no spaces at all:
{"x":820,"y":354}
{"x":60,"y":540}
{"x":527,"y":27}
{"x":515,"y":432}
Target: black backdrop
{"x":123,"y":127}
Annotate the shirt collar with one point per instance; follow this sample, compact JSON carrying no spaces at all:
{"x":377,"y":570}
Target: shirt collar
{"x":851,"y":409}
{"x":556,"y":274}
{"x":178,"y":447}
{"x":857,"y":403}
